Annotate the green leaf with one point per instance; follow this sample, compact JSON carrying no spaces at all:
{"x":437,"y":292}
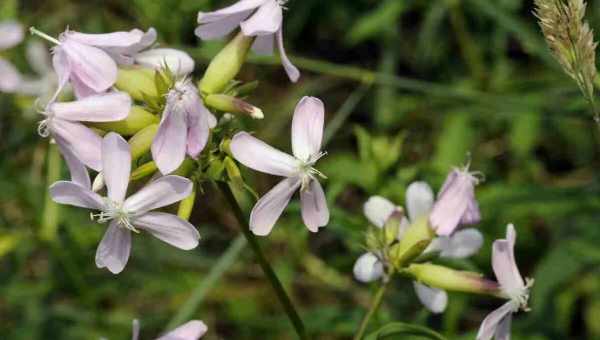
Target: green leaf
{"x":394,"y":329}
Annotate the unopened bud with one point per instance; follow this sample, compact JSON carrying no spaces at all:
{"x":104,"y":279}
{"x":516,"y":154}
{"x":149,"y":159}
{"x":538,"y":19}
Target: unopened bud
{"x":231,"y":104}
{"x":392,"y":227}
{"x":186,"y":206}
{"x":453,"y":280}
{"x":185,"y":168}
{"x":142,"y":141}
{"x":233,"y":172}
{"x":224,"y":146}
{"x":143,"y":170}
{"x":225,"y":65}
{"x":414,"y":241}
{"x":136,"y":81}
{"x":137,"y":119}
{"x":98,"y":183}
{"x":215,"y":169}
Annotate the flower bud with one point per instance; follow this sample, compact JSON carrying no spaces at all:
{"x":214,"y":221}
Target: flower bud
{"x":453,"y":280}
{"x":137,"y":119}
{"x":414,"y":241}
{"x":136,"y":81}
{"x":391,"y":228}
{"x":140,"y":143}
{"x":185,"y":168}
{"x":225,"y":65}
{"x":224,"y":146}
{"x":98,"y":183}
{"x":186,"y":206}
{"x":231,"y":104}
{"x":143,"y":170}
{"x":233,"y":172}
{"x":179,"y":62}
{"x":215,"y":169}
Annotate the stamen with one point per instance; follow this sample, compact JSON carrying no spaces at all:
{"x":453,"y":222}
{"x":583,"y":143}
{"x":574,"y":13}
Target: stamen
{"x":43,"y":35}
{"x":114,"y":211}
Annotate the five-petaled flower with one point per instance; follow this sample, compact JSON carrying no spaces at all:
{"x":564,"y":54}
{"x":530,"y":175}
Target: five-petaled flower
{"x":307,"y":135}
{"x":512,"y":286}
{"x":262,"y":19}
{"x":131,"y":214}
{"x":419,"y":201}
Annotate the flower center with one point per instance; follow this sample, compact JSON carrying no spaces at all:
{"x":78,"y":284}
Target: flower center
{"x":520,"y":298}
{"x":114,"y":211}
{"x":307,"y":170}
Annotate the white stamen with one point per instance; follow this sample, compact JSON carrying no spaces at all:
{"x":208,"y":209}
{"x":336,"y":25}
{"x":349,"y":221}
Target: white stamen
{"x":114,"y":211}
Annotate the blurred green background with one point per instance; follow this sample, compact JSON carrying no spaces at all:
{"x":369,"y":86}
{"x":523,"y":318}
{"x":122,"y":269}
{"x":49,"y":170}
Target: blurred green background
{"x":411,"y":88}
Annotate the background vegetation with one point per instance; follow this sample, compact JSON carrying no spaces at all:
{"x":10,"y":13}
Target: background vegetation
{"x":411,"y":87}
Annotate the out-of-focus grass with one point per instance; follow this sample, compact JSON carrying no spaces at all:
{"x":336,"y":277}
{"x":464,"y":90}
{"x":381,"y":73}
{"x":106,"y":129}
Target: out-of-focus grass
{"x":411,"y":87}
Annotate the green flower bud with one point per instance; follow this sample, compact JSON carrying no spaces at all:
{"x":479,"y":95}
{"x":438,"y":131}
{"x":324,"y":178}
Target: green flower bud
{"x":452,"y":280}
{"x":215,"y":169}
{"x":137,"y":119}
{"x":414,"y":241}
{"x":186,"y":206}
{"x":185,"y":168}
{"x":142,"y":141}
{"x":231,"y":104}
{"x":136,"y":81}
{"x":233,"y":172}
{"x":225,"y":65}
{"x":392,"y":227}
{"x":224,"y":146}
{"x":143,"y":170}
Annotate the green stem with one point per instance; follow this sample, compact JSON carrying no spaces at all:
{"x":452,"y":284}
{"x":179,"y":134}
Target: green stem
{"x":285,"y":301}
{"x":377,"y":299}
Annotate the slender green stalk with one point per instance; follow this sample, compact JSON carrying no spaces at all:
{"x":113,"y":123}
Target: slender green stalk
{"x":344,"y":112}
{"x":284,"y":299}
{"x":377,"y":299}
{"x":51,"y":213}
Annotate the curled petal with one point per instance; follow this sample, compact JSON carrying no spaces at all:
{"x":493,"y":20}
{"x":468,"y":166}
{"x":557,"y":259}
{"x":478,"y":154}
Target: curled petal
{"x":419,"y":200}
{"x":266,"y":20}
{"x":116,"y":166}
{"x":62,"y":67}
{"x":307,"y":128}
{"x":170,"y":229}
{"x":368,"y":268}
{"x":503,"y":329}
{"x":262,"y":157}
{"x":191,"y":330}
{"x":71,"y":193}
{"x":91,"y":65}
{"x":269,"y":207}
{"x":113,"y":251}
{"x":159,"y":193}
{"x":378,"y":209}
{"x":81,"y":140}
{"x":10,"y":78}
{"x":435,"y":300}
{"x":179,"y":62}
{"x":97,"y":108}
{"x":170,"y":143}
{"x":455,"y":197}
{"x":463,"y":243}
{"x":220,"y":28}
{"x":504,"y":265}
{"x":11,"y":34}
{"x":291,"y":70}
{"x":113,"y":39}
{"x":491,"y":322}
{"x":315,"y":213}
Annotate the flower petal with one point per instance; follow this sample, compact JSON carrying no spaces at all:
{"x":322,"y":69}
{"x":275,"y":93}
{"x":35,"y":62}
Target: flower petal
{"x":463,"y":243}
{"x":503,"y":328}
{"x":307,"y":128}
{"x":266,"y":20}
{"x":170,"y":143}
{"x":159,"y":193}
{"x":116,"y":166}
{"x":291,"y":70}
{"x":263,"y":44}
{"x":93,"y":67}
{"x":81,"y":140}
{"x":191,"y":330}
{"x":315,"y":213}
{"x":179,"y":62}
{"x":71,"y":193}
{"x":113,"y":251}
{"x":262,"y":157}
{"x":10,"y":78}
{"x":135,"y":329}
{"x":220,"y":28}
{"x":269,"y":207}
{"x":452,"y":203}
{"x":435,"y":300}
{"x":11,"y":34}
{"x":490,"y":323}
{"x":170,"y":229}
{"x":62,"y":67}
{"x":198,"y":131}
{"x":419,"y":200}
{"x":378,"y":209}
{"x":104,"y":107}
{"x":368,"y":268}
{"x":77,"y":169}
{"x":240,"y":6}
{"x":504,"y":265}
{"x":113,"y":39}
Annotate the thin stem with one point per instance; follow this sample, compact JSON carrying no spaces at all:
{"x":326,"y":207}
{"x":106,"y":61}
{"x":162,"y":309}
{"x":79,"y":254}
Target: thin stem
{"x":377,"y":299}
{"x":43,"y":35}
{"x":284,"y":299}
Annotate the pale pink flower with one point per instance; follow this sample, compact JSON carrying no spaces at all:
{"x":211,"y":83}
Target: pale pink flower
{"x":131,"y":214}
{"x":307,"y":134}
{"x":419,"y":201}
{"x":456,"y":203}
{"x":191,"y":330}
{"x":184,"y":127}
{"x":513,"y":287}
{"x":11,"y":34}
{"x":63,"y":122}
{"x":262,"y":19}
